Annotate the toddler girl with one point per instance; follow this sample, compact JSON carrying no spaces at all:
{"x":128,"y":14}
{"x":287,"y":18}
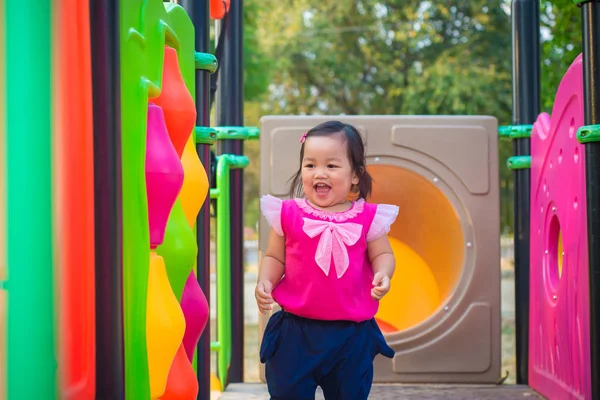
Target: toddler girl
{"x":327,"y":264}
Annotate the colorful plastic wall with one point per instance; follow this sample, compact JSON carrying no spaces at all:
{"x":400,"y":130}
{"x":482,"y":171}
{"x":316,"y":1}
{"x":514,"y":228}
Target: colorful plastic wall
{"x":559,"y":361}
{"x":50,"y":220}
{"x":159,"y":247}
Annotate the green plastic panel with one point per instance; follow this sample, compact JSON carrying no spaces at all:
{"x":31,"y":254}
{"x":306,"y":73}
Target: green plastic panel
{"x":32,"y":365}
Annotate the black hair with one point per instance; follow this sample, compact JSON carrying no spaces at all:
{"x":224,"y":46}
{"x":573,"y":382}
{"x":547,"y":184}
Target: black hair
{"x":356,"y":155}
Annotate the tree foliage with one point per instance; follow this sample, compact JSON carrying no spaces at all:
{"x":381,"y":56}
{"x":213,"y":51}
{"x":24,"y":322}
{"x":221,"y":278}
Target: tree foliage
{"x":394,"y":57}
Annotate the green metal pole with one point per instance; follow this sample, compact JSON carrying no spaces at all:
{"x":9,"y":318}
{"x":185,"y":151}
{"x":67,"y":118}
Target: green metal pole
{"x":32,"y":368}
{"x":225,"y":163}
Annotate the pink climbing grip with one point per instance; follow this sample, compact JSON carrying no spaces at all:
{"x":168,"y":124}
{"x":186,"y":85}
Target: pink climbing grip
{"x":164,"y":174}
{"x":196,"y":312}
{"x":559,"y":359}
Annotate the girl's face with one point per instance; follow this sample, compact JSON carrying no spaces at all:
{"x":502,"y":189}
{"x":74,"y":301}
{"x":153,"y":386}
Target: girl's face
{"x":327,"y":175}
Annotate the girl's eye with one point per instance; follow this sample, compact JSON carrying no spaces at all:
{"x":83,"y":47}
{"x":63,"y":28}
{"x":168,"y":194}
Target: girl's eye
{"x":332,"y":166}
{"x":308,"y":166}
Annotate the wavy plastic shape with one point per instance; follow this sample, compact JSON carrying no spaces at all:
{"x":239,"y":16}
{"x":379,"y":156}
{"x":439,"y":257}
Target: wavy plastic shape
{"x":195,"y":183}
{"x":164,"y":174}
{"x":179,"y":249}
{"x":182,"y":383}
{"x":165,"y":325}
{"x":196,"y":311}
{"x":176,"y":102}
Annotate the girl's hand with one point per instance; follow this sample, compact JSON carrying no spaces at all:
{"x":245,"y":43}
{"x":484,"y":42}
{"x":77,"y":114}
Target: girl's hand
{"x":262,"y":292}
{"x":381,"y":283}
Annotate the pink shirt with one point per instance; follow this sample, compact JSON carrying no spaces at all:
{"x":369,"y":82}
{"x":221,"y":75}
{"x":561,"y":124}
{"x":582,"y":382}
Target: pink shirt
{"x":328,"y":275}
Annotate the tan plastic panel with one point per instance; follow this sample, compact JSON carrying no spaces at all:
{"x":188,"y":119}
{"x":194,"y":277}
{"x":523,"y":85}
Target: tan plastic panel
{"x":460,"y":341}
{"x":452,"y":142}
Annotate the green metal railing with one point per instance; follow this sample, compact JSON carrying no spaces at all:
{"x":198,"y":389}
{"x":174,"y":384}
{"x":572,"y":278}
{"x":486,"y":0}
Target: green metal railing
{"x":205,"y":135}
{"x":221,"y":193}
{"x":516,"y":132}
{"x":225,"y":163}
{"x":588,"y":134}
{"x":237,"y":132}
{"x":206,"y":62}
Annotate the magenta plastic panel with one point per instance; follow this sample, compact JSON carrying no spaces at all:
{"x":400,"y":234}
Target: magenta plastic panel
{"x":559,"y":359}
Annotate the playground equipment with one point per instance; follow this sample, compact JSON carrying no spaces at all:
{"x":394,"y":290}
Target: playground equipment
{"x":116,"y":183}
{"x":447,"y":232}
{"x":557,"y":272}
{"x":101,"y":259}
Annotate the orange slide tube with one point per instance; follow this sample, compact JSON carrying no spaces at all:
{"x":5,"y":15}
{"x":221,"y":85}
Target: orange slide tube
{"x":74,"y":204}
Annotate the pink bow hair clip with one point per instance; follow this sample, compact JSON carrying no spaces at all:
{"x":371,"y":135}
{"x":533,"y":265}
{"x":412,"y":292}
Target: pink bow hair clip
{"x":303,"y":137}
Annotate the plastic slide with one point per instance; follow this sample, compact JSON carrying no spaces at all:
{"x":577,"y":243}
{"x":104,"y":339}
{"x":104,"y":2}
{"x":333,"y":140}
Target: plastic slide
{"x":427,"y":242}
{"x":413,"y":283}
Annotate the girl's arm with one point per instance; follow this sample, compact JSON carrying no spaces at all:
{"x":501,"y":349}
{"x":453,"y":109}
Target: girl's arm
{"x":381,"y":256}
{"x":272,"y":265}
{"x":383,"y":262}
{"x":270,"y":272}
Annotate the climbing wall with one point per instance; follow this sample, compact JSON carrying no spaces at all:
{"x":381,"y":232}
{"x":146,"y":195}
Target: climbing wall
{"x":164,"y":186}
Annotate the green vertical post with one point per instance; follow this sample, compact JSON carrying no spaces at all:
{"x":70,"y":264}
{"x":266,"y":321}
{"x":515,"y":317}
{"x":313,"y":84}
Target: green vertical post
{"x":32,"y":368}
{"x":225,"y":163}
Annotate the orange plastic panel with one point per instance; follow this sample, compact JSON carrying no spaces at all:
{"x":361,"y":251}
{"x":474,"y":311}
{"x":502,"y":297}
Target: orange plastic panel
{"x":165,"y":325}
{"x":74,"y":205}
{"x":182,"y":383}
{"x":218,"y":8}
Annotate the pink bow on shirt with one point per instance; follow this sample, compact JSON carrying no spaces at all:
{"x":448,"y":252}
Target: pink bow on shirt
{"x":334,"y":239}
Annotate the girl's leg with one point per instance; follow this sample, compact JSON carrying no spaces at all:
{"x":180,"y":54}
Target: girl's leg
{"x":287,"y":379}
{"x":287,"y":356}
{"x":351,"y":377}
{"x":351,"y":372}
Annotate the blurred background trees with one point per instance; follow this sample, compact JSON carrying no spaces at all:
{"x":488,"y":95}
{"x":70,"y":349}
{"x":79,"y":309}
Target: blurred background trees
{"x":393,"y":57}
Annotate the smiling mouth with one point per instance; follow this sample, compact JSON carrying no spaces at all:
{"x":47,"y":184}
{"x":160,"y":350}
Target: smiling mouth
{"x":321,"y":188}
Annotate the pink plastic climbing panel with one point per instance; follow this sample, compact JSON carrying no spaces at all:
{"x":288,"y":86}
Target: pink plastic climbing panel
{"x":559,"y":362}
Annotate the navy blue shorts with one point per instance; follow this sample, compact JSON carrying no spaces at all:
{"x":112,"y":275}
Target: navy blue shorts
{"x":300,"y":354}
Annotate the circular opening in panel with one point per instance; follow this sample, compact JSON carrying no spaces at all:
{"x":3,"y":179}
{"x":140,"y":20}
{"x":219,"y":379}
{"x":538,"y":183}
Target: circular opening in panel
{"x":560,"y":254}
{"x":554,"y":257}
{"x":428,"y":245}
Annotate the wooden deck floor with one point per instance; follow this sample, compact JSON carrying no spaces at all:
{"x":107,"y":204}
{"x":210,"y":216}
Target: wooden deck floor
{"x":257,"y":391}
